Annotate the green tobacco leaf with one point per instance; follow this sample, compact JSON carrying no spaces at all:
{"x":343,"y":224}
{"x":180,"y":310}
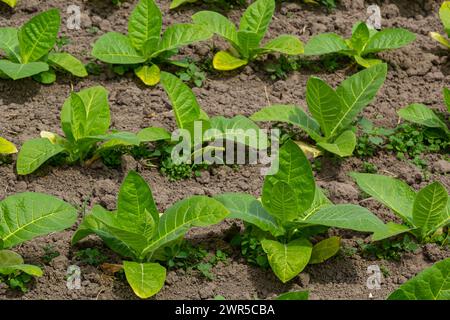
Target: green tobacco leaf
{"x":239,"y":129}
{"x":290,"y":114}
{"x":428,"y":208}
{"x":323,"y":103}
{"x":134,"y":205}
{"x":357,"y":92}
{"x":184,"y":102}
{"x":431,"y":284}
{"x":447,"y":98}
{"x":320,"y":201}
{"x":179,"y":35}
{"x":393,"y":193}
{"x":257,"y":17}
{"x":146,"y":279}
{"x":9,"y":43}
{"x":245,"y":207}
{"x":287,"y":259}
{"x":295,"y":171}
{"x":25,"y":216}
{"x":225,"y":61}
{"x":324,"y":44}
{"x":197,"y":211}
{"x":7,"y":147}
{"x":421,"y":114}
{"x":248,"y":42}
{"x":10,"y":262}
{"x":46,"y":77}
{"x":347,"y":216}
{"x":283,"y":203}
{"x":18,"y":71}
{"x":145,"y":24}
{"x":149,"y":75}
{"x":38,"y":36}
{"x":325,"y":249}
{"x":294,"y":295}
{"x":116,"y":48}
{"x":34,"y":153}
{"x":153,"y":134}
{"x":360,"y":37}
{"x":218,"y":24}
{"x":343,"y":146}
{"x":444,"y":14}
{"x":392,"y":229}
{"x":286,"y":44}
{"x":367,"y":63}
{"x":68,"y":63}
{"x":86,"y":113}
{"x":389,"y":39}
{"x":176,"y":3}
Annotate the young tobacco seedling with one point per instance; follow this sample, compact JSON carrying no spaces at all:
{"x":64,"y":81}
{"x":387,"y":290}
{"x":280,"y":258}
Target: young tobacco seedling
{"x":29,"y":51}
{"x":292,"y":209}
{"x":138,"y":232}
{"x":144,"y":49}
{"x":246,"y":42}
{"x":85,"y":121}
{"x":425,"y":214}
{"x":365,"y":41}
{"x":444,"y":14}
{"x":25,"y":216}
{"x":333,"y":111}
{"x":431,"y":284}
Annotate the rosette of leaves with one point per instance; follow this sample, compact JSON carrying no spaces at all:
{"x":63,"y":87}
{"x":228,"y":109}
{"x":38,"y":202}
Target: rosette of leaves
{"x":425,"y":214}
{"x":23,"y":217}
{"x":444,"y":14}
{"x":143,"y":49}
{"x":29,"y":51}
{"x":424,"y":116}
{"x":333,"y":111}
{"x":431,"y":284}
{"x":7,"y":147}
{"x":139,"y":233}
{"x":364,"y":42}
{"x":85,"y":121}
{"x":246,"y":42}
{"x":292,"y":210}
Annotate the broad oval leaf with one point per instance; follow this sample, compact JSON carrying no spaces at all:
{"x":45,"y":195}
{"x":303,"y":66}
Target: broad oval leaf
{"x":389,"y":39}
{"x":145,"y":24}
{"x":393,"y":193}
{"x":18,"y":71}
{"x":7,"y":147}
{"x":392,"y":229}
{"x":248,"y":43}
{"x":38,"y":36}
{"x":325,"y":43}
{"x":11,"y":262}
{"x":149,"y":75}
{"x":431,"y":284}
{"x":287,"y":259}
{"x":257,"y":17}
{"x":9,"y":43}
{"x":25,"y":216}
{"x":283,"y":202}
{"x":343,"y":146}
{"x":116,"y":48}
{"x":428,"y":208}
{"x":179,"y":35}
{"x":422,"y":115}
{"x":325,"y":249}
{"x":286,"y":44}
{"x":225,"y":61}
{"x":35,"y":153}
{"x":218,"y":24}
{"x":68,"y":63}
{"x":152,"y":134}
{"x":146,"y":279}
{"x":360,"y":37}
{"x":294,"y":170}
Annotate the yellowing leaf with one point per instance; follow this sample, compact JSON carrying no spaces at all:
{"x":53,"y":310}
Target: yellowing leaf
{"x":309,"y":150}
{"x":441,"y":39}
{"x":7,"y":147}
{"x":224,"y":61}
{"x":49,"y":135}
{"x":149,"y":75}
{"x":11,"y":3}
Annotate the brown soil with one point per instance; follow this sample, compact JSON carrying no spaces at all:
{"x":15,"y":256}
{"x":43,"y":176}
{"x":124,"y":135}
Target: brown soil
{"x":417,"y":73}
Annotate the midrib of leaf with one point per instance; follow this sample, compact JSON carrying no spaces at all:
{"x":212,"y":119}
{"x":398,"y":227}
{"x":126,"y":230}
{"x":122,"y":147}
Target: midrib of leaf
{"x":36,"y":42}
{"x":427,"y":219}
{"x":349,"y":108}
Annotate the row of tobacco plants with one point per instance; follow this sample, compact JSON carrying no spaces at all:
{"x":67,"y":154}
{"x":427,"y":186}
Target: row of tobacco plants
{"x":292,"y":210}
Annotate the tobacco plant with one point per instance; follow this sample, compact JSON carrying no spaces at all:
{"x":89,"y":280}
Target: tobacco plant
{"x":139,"y":233}
{"x":333,"y":111}
{"x":431,"y":284}
{"x":292,"y":209}
{"x":365,"y":42}
{"x":29,"y":50}
{"x":144,"y":49}
{"x":425,"y":214}
{"x":85,"y":121}
{"x":246,"y":42}
{"x":6,"y":147}
{"x":444,"y":14}
{"x":23,"y":217}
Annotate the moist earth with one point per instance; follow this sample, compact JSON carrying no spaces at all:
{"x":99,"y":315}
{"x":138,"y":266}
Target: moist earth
{"x":417,"y":73}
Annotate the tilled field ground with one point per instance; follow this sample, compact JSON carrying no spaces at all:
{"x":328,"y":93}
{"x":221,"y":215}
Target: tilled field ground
{"x":417,"y":73}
